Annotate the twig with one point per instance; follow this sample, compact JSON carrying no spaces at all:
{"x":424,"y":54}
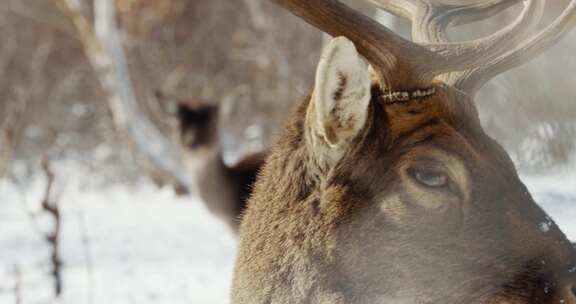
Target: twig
{"x":51,"y":207}
{"x":8,"y":142}
{"x":5,"y":151}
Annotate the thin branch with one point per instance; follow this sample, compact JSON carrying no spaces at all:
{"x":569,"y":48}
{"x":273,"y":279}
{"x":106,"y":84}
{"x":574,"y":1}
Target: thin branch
{"x":8,"y":141}
{"x":103,"y":48}
{"x":51,"y":207}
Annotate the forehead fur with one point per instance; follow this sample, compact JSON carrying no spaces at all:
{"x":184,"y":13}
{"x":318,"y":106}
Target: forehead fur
{"x":446,"y":105}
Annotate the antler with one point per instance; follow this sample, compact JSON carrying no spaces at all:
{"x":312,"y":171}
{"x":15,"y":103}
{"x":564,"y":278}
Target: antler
{"x":473,"y":80}
{"x":394,"y":58}
{"x":467,"y":65}
{"x":431,"y":20}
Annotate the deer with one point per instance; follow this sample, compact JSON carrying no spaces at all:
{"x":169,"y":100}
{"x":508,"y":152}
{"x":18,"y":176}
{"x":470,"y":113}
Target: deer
{"x":383,"y":186}
{"x":194,"y":126}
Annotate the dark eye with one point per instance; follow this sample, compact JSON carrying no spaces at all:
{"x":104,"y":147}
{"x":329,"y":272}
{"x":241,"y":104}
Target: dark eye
{"x":430,"y":178}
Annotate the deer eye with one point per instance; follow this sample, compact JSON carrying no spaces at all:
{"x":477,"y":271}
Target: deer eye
{"x":430,"y":178}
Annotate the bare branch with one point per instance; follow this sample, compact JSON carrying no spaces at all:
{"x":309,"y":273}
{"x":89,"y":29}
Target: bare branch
{"x":8,"y":142}
{"x":51,"y":207}
{"x":6,"y":151}
{"x":106,"y":54}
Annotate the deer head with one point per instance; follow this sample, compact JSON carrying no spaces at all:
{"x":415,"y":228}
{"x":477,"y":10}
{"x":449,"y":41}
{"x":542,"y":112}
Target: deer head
{"x":193,"y":123}
{"x":384,"y":187}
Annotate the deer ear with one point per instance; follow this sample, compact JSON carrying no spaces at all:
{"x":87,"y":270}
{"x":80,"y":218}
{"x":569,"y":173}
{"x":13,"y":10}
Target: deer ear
{"x":341,"y":94}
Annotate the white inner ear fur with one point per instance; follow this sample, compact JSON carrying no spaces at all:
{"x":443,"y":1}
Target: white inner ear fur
{"x":341,"y":93}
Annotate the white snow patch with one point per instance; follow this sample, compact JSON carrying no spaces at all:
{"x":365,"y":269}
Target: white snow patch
{"x":556,"y":194}
{"x":145,"y":246}
{"x":546,"y":224}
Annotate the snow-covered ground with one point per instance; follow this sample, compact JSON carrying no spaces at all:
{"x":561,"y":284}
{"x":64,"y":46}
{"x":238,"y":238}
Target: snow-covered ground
{"x":147,"y":246}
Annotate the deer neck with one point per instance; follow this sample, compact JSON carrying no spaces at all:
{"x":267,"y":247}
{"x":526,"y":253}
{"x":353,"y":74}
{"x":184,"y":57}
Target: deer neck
{"x":213,"y":184}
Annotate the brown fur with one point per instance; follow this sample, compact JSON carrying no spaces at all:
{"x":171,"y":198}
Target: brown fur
{"x":362,"y":230}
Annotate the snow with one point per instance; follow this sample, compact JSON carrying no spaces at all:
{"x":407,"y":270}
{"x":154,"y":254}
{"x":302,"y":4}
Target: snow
{"x":145,"y":245}
{"x":557,"y":195}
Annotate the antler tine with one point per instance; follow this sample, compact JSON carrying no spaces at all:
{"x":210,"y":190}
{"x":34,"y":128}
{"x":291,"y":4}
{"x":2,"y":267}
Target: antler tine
{"x":402,"y":64}
{"x":402,"y":8}
{"x":397,"y":61}
{"x":430,"y":21}
{"x":452,"y":14}
{"x":473,"y":80}
{"x":430,"y":18}
{"x":433,"y":28}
